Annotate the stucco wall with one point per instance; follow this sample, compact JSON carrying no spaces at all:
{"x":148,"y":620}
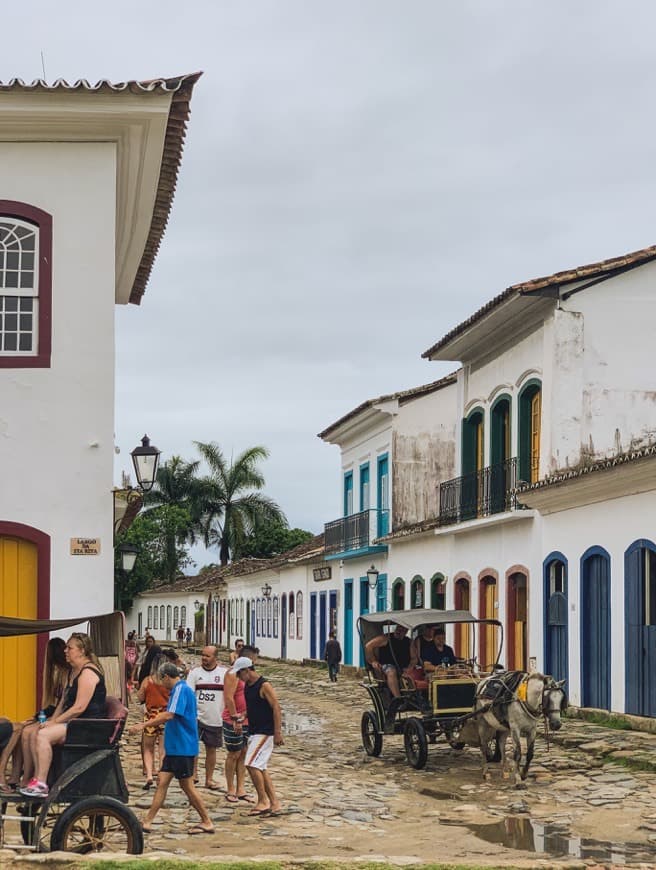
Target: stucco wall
{"x":424,"y":450}
{"x":53,"y":478}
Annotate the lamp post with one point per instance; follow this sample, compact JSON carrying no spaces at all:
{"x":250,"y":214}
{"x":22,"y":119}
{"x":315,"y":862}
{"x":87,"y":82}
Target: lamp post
{"x":266,"y":590}
{"x":128,"y":556}
{"x":372,"y":577}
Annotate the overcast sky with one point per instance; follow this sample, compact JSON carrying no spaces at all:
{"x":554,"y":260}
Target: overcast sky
{"x":359,"y":177}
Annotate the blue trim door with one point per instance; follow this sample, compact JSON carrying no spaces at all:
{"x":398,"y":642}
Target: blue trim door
{"x":313,"y":625}
{"x":364,"y":487}
{"x":364,"y":608}
{"x":382,"y":491}
{"x":323,"y":622}
{"x":348,"y":622}
{"x":348,"y":493}
{"x":283,"y":626}
{"x":555,"y":617}
{"x":640,"y":628}
{"x":381,"y":593}
{"x":595,"y":629}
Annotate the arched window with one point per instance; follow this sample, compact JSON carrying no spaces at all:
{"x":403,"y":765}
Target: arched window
{"x":276,"y":605}
{"x":292,"y":616}
{"x":463,"y":632}
{"x":169,"y":617}
{"x":417,"y":592}
{"x":176,"y":616}
{"x":473,"y":461}
{"x":161,"y":617}
{"x":258,"y":618}
{"x":269,"y":607}
{"x":299,"y":615}
{"x":155,"y":622}
{"x":25,"y":286}
{"x":183,"y":616}
{"x":438,"y":592}
{"x":149,"y":618}
{"x":241,"y":617}
{"x":398,"y":594}
{"x":530,"y":423}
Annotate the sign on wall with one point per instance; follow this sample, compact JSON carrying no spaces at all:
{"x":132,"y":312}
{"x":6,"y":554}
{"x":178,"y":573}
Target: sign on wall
{"x":85,"y":546}
{"x":322,"y":573}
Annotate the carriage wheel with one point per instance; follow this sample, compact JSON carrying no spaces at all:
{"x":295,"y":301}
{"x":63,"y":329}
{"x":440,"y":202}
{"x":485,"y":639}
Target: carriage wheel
{"x":371,"y":739}
{"x":415,"y":743}
{"x":97,"y":824}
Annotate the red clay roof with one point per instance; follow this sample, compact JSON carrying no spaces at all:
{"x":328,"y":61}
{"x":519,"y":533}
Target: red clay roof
{"x":181,"y":87}
{"x":568,"y":276}
{"x":402,"y":396}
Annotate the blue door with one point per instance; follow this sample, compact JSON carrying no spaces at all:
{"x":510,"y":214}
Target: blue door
{"x":364,"y":608}
{"x":283,"y":627}
{"x":348,"y":622}
{"x":322,"y":623}
{"x":555,"y":616}
{"x":382,"y":486}
{"x":595,"y":629}
{"x":640,"y":628}
{"x":381,"y":593}
{"x":313,"y":625}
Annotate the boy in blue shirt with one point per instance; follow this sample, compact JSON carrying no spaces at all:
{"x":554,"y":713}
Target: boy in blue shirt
{"x":180,"y":746}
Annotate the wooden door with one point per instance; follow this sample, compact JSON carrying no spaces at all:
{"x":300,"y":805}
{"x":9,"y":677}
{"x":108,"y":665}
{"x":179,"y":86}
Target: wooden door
{"x":595,"y":632}
{"x":18,"y":655}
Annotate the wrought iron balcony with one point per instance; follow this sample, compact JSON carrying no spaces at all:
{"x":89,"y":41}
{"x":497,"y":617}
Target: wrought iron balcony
{"x":479,"y":494}
{"x":355,"y":532}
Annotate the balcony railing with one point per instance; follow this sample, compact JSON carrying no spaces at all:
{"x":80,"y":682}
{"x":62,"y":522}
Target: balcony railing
{"x":355,"y":532}
{"x":479,"y":494}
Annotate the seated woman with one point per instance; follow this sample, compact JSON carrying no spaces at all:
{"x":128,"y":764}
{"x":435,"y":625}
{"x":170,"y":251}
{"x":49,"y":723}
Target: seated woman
{"x":84,"y":698}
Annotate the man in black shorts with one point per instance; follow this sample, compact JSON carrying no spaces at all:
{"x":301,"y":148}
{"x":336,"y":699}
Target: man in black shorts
{"x":207,"y":683}
{"x":180,"y":746}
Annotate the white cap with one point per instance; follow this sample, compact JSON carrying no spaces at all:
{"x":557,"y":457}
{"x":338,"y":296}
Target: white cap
{"x":241,"y":663}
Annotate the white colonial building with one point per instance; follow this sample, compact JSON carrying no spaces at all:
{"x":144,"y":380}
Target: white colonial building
{"x":87,"y":175}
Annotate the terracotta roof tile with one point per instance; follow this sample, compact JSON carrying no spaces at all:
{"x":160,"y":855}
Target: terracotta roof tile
{"x":402,"y":396}
{"x":181,"y":88}
{"x":568,"y":276}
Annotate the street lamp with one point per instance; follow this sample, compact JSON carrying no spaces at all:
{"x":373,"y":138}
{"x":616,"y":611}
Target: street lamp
{"x":145,"y":460}
{"x":196,"y":605}
{"x":266,"y":590}
{"x":128,"y":554}
{"x":372,"y":577}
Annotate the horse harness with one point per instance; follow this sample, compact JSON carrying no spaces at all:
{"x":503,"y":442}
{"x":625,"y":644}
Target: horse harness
{"x":506,"y":688}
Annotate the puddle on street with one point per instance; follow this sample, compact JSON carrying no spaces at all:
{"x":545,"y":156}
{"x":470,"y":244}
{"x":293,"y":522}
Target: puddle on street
{"x":296,"y":723}
{"x":515,"y":832}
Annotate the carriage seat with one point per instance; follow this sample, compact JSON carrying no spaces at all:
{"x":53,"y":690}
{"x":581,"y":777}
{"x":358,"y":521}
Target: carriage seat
{"x":98,"y":733}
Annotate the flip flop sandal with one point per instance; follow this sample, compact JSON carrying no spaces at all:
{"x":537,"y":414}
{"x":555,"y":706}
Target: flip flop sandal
{"x":199,"y":829}
{"x":246,"y":798}
{"x":259,"y":812}
{"x":232,"y":798}
{"x":212,"y":786}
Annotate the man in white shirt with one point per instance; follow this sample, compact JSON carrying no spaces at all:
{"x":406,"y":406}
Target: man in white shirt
{"x":207,"y":683}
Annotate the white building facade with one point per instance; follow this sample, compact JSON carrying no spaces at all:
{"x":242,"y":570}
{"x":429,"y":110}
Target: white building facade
{"x":86,"y":182}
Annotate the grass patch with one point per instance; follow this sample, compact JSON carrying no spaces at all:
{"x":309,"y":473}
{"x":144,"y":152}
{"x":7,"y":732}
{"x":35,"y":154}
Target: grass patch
{"x":617,"y":723}
{"x":144,"y":864}
{"x":632,"y":763}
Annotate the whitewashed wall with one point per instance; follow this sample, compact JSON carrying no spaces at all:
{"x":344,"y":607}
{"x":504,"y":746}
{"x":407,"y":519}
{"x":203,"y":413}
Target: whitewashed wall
{"x":53,"y":478}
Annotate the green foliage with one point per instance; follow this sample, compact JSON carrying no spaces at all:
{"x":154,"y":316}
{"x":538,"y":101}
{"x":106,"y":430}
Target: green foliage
{"x":158,"y":535}
{"x":229,"y":501}
{"x":269,"y":539}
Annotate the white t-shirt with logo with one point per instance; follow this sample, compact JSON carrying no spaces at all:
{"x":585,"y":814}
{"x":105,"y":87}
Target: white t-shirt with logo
{"x":208,"y":687}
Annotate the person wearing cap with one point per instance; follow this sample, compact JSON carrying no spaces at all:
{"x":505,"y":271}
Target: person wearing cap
{"x":265,"y":731}
{"x":181,"y":747}
{"x":235,"y":733}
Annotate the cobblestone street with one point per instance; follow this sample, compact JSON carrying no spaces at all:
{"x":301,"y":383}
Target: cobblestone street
{"x":340,"y":804}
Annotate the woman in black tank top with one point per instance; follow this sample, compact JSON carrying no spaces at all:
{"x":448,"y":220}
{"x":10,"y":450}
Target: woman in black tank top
{"x":84,"y":698}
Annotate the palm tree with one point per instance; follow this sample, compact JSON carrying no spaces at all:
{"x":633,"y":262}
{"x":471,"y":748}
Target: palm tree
{"x":174,"y":500}
{"x":232,"y":505}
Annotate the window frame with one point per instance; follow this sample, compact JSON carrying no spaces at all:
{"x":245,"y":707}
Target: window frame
{"x":43,"y":221}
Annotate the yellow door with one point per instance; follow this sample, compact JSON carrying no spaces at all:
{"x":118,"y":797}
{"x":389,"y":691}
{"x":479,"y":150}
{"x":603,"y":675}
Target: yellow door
{"x":18,"y":597}
{"x":536,"y":414}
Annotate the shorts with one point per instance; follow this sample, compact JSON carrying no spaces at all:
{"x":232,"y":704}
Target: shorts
{"x":181,"y":766}
{"x":258,"y":752}
{"x":387,"y":668}
{"x":210,"y":735}
{"x":153,"y":730}
{"x":233,"y":741}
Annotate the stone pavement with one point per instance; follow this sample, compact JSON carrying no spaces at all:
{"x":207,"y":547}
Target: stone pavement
{"x":590,"y":801}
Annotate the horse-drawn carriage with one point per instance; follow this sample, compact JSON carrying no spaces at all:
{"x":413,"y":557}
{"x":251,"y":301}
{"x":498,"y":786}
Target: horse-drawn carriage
{"x":457,"y":702}
{"x":86,"y":807}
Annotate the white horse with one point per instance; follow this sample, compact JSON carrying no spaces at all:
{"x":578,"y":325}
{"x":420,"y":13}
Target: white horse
{"x":515,"y":703}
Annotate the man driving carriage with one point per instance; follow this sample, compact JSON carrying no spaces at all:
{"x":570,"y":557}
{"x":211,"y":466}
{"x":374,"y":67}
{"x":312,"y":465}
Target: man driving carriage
{"x":389,"y":655}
